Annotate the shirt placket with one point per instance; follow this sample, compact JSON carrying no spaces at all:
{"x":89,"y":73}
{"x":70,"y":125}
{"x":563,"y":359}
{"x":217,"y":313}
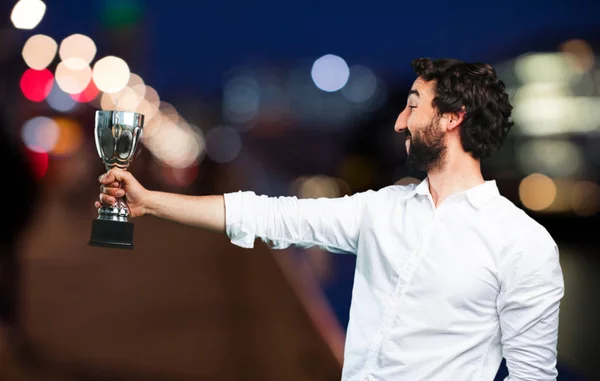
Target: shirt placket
{"x":404,"y":278}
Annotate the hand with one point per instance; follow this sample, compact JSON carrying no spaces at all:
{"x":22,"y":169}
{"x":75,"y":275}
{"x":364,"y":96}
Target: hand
{"x":109,"y":191}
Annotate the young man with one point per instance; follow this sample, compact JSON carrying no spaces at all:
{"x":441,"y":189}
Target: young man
{"x":450,"y":276}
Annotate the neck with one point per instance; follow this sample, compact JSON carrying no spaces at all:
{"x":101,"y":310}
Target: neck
{"x":459,"y":173}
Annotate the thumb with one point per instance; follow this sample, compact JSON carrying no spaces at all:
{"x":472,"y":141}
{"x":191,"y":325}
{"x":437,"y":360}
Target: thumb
{"x":115,"y":174}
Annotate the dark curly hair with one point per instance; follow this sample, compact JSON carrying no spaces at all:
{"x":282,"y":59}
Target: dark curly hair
{"x":475,"y":87}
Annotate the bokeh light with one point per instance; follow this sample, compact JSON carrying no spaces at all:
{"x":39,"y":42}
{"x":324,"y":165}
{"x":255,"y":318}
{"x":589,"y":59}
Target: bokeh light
{"x":77,"y":46}
{"x":39,"y":51}
{"x":111,"y":74}
{"x":579,"y":53}
{"x":73,"y":75}
{"x":241,"y":99}
{"x":40,"y":134}
{"x":319,"y":186}
{"x":90,"y":93}
{"x":39,"y":163}
{"x":585,"y":198}
{"x":36,"y":84}
{"x":175,"y":145}
{"x":149,"y":105}
{"x":70,"y":136}
{"x":537,"y":192}
{"x":361,"y":85}
{"x":59,"y":100}
{"x":27,"y":14}
{"x":330,"y":73}
{"x":223,"y":144}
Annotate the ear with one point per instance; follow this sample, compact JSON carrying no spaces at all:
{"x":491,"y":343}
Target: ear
{"x":455,"y":119}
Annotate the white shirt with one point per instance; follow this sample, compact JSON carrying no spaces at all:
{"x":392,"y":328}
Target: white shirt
{"x":439,"y":293}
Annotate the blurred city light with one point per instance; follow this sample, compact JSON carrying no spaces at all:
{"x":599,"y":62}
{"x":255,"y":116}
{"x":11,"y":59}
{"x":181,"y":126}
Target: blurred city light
{"x":169,"y":112}
{"x":585,"y":198}
{"x":88,"y":94}
{"x":555,"y":157}
{"x":40,"y":134}
{"x":579,"y":53}
{"x":362,"y":84}
{"x":36,"y":84}
{"x":70,"y":136}
{"x":111,"y":74}
{"x":319,"y":186}
{"x":27,"y":14}
{"x":330,"y":73}
{"x":543,"y":67}
{"x":59,"y":100}
{"x":175,"y":145}
{"x":241,"y":99}
{"x":554,"y":93}
{"x":39,"y":163}
{"x":129,"y":98}
{"x":223,"y":144}
{"x":73,"y":75}
{"x":77,"y":46}
{"x":537,"y":192}
{"x":39,"y":51}
{"x":150,"y":104}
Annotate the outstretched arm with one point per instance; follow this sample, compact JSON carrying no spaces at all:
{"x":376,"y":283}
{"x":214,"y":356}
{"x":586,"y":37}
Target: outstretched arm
{"x":207,"y":212}
{"x":333,"y":224}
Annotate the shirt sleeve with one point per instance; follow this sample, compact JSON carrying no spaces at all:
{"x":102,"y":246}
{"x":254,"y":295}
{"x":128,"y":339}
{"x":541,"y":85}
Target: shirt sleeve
{"x":528,"y":305}
{"x":330,"y":223}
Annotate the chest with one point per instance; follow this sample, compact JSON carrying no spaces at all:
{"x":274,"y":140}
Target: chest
{"x":432,"y":258}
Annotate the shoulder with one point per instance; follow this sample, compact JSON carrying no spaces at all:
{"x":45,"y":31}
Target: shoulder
{"x":529,"y":250}
{"x":520,"y":226}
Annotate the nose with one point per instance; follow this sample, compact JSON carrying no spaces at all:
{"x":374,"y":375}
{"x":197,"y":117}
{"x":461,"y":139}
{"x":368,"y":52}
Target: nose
{"x":401,"y":121}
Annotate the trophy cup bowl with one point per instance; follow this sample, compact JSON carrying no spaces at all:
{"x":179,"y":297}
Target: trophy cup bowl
{"x":117,"y":134}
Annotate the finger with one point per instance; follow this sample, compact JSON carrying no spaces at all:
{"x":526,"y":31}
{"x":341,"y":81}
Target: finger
{"x":114,"y":175}
{"x":115,"y":192}
{"x":97,"y":204}
{"x":107,"y":200}
{"x":113,"y":185}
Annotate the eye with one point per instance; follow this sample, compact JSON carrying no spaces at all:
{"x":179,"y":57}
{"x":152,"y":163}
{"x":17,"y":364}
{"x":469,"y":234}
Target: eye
{"x":412,"y":107}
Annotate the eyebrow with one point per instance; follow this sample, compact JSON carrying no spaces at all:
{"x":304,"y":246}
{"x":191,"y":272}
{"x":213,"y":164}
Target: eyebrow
{"x":416,"y":92}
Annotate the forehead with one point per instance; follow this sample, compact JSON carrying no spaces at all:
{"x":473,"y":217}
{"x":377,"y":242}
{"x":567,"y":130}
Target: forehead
{"x":425,"y":89}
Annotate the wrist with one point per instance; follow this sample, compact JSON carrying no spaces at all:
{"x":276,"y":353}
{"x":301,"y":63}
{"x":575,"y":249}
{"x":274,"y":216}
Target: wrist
{"x":149,"y":205}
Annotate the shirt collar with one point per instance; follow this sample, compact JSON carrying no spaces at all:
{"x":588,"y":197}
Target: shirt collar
{"x":478,"y":196}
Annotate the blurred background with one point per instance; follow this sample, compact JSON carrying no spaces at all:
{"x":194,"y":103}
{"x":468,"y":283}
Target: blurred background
{"x":295,"y":98}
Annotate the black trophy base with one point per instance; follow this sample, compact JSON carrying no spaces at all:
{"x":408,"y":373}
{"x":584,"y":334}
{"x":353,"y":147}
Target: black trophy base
{"x":113,"y":234}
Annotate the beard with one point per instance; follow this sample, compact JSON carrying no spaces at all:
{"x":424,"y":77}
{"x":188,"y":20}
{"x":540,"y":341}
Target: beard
{"x":427,"y":150}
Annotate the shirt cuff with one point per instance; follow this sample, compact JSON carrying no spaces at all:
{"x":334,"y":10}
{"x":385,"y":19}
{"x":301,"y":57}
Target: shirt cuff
{"x":241,"y":232}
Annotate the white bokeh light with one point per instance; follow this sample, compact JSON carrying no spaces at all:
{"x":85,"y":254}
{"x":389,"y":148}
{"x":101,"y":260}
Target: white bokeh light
{"x":111,"y":74}
{"x":39,"y":51}
{"x":330,"y":73}
{"x":73,"y":75}
{"x":40,"y":134}
{"x":78,"y":46}
{"x":27,"y":14}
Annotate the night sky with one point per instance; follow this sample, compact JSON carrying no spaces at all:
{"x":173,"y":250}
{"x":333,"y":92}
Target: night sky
{"x":191,"y":44}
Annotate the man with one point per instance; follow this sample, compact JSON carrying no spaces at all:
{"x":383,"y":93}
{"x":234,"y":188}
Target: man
{"x":450,"y":276}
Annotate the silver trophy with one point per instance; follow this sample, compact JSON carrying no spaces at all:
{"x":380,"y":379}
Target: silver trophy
{"x":117,"y":134}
